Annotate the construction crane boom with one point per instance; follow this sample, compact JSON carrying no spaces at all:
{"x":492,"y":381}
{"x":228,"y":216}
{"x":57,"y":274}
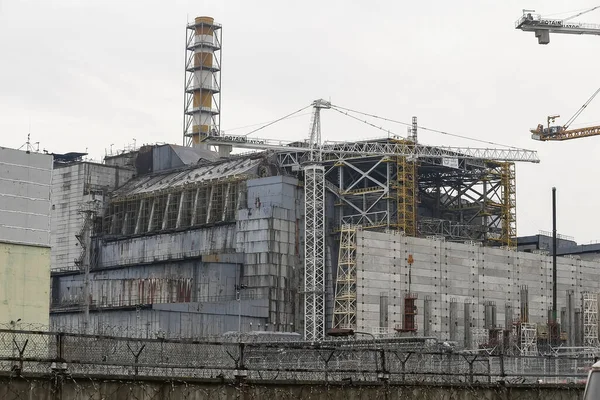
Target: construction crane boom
{"x":542,"y":26}
{"x":559,"y":133}
{"x":363,"y":149}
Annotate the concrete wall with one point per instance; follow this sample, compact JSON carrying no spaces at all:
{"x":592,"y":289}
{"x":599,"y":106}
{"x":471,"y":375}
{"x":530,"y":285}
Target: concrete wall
{"x":185,"y":283}
{"x":187,"y":320}
{"x":268,"y":235}
{"x":24,"y":284}
{"x":71,"y":388}
{"x":215,"y":240}
{"x":453,"y":272}
{"x":72,"y":186}
{"x":25,"y":182}
{"x":171,"y":282}
{"x":25,"y":197}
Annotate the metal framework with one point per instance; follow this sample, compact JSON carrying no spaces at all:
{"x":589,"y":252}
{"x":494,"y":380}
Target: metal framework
{"x":383,"y":147}
{"x":314,"y":231}
{"x":557,"y":134}
{"x":406,"y":190}
{"x":542,"y":27}
{"x":202,"y":80}
{"x":460,"y":193}
{"x":509,"y":205}
{"x":314,"y":252}
{"x":590,"y":319}
{"x":406,"y":195}
{"x":257,"y":362}
{"x":344,"y":310}
{"x":198,"y":204}
{"x":528,"y":343}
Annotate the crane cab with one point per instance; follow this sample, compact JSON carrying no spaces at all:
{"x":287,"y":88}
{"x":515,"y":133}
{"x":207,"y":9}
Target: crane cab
{"x":541,"y":133}
{"x":592,"y":387}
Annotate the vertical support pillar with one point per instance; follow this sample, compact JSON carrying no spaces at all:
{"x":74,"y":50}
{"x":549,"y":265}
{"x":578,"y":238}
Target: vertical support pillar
{"x":139,"y":218}
{"x":406,"y":189}
{"x":195,"y":209}
{"x":569,"y":322}
{"x":467,"y":324}
{"x":383,"y":311}
{"x":314,"y":250}
{"x":578,"y":328}
{"x":180,"y":209}
{"x":453,"y":317}
{"x":344,"y":311}
{"x":509,"y":205}
{"x":427,"y":316}
{"x":554,"y":250}
{"x":151,"y":218}
{"x":226,"y":202}
{"x":210,"y":203}
{"x":166,"y":214}
{"x":524,"y":304}
{"x":125,"y":223}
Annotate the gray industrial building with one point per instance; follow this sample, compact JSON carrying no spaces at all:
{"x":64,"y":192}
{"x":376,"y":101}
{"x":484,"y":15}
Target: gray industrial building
{"x":171,"y":247}
{"x":388,"y":236}
{"x":25,"y":185}
{"x":183,"y":243}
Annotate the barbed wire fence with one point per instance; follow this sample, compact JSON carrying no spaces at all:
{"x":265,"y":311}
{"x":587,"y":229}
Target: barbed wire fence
{"x":37,"y":360}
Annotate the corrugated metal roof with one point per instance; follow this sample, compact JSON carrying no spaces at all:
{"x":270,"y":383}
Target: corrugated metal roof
{"x":190,"y":175}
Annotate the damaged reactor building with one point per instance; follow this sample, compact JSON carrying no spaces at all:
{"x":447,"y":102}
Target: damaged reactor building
{"x":387,"y":236}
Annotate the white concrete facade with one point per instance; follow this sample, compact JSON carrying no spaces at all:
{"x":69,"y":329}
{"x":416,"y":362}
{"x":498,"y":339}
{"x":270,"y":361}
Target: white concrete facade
{"x":74,"y":185}
{"x":25,"y":180}
{"x":25,"y":183}
{"x":454,"y":272}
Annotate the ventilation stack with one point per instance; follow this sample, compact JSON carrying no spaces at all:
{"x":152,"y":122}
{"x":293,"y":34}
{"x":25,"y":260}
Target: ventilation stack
{"x":202,"y":104}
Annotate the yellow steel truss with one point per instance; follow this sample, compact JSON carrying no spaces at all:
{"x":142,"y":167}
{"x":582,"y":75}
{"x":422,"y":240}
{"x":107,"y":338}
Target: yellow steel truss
{"x":406,"y":190}
{"x":509,"y":205}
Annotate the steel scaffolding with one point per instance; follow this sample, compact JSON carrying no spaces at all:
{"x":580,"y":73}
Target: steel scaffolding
{"x":590,"y":319}
{"x":406,"y":190}
{"x":509,"y":205}
{"x":344,"y":313}
{"x":528,"y":342}
{"x":314,"y":231}
{"x":314,"y":252}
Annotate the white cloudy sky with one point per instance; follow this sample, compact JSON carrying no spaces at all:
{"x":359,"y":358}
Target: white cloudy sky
{"x":88,"y":74}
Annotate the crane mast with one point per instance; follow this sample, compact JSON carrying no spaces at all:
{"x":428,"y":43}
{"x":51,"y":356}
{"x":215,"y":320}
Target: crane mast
{"x":314,"y":231}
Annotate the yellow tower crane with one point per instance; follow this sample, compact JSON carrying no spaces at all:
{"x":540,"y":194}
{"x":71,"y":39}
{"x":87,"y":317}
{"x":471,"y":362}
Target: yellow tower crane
{"x":557,"y":132}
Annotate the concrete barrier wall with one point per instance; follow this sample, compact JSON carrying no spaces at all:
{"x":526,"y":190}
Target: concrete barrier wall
{"x":72,"y":388}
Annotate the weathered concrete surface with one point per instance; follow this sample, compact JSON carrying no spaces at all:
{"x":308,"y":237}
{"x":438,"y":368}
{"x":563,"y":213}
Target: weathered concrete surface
{"x":72,"y":388}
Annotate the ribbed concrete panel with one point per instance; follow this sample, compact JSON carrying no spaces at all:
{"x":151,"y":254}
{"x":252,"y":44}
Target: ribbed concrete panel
{"x":74,"y":185}
{"x":216,"y":240}
{"x":454,"y":272}
{"x":25,"y":183}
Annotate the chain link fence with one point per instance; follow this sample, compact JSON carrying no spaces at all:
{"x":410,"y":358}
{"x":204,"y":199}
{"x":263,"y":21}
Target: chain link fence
{"x":31,"y":352}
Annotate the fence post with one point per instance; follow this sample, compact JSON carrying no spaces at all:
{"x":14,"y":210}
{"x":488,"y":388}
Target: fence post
{"x":59,"y":347}
{"x":471,"y":370}
{"x":382,"y":372}
{"x":240,"y":373}
{"x":502,"y":372}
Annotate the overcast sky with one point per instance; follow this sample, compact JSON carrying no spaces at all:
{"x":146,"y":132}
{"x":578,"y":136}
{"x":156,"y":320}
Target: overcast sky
{"x":88,"y":74}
